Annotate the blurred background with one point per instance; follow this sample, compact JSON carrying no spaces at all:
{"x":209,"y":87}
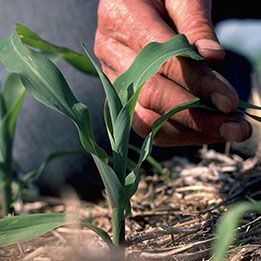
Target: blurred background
{"x":243,"y":36}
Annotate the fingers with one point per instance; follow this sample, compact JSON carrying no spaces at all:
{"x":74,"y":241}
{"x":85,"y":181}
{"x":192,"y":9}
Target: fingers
{"x":120,"y":20}
{"x":160,"y":94}
{"x":110,"y":73}
{"x":170,"y":134}
{"x":203,"y":82}
{"x":193,"y":18}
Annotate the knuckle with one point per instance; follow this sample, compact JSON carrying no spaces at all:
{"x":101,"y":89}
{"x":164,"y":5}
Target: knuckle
{"x":150,"y":94}
{"x":139,"y":126}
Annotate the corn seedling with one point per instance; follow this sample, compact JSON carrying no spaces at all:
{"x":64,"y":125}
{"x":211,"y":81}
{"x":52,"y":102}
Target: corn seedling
{"x":12,"y":95}
{"x":228,"y":226}
{"x":11,"y":98}
{"x":46,"y":83}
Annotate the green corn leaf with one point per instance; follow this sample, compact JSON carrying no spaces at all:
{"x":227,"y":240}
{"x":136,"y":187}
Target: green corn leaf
{"x":148,"y":62}
{"x":113,"y":186}
{"x":54,"y":57}
{"x":114,"y":102}
{"x":22,"y":228}
{"x":247,"y":105}
{"x":108,"y":123}
{"x":132,"y":179}
{"x":4,"y":137}
{"x":112,"y":109}
{"x":153,"y":162}
{"x":35,"y":174}
{"x":79,"y":61}
{"x":11,"y":100}
{"x":18,"y":229}
{"x":131,"y":182}
{"x":255,"y":117}
{"x":243,"y":105}
{"x":14,"y":94}
{"x":100,"y":232}
{"x":227,"y":227}
{"x":147,"y":144}
{"x":42,"y":78}
{"x":122,"y":128}
{"x":46,"y":83}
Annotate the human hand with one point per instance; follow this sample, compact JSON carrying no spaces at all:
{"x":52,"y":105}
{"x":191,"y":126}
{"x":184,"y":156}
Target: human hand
{"x":125,"y":26}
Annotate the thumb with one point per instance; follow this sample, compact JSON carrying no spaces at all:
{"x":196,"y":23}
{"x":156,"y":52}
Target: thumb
{"x":193,"y":18}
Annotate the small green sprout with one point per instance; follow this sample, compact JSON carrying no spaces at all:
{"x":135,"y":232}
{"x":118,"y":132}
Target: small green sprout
{"x":45,"y":82}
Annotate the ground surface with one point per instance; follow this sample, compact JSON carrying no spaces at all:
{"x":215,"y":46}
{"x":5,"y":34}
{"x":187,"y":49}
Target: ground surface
{"x":173,"y":218}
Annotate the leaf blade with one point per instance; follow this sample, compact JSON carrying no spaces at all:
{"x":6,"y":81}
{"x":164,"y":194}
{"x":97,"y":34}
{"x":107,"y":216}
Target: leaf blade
{"x":149,"y":60}
{"x":226,"y":230}
{"x":79,"y":61}
{"x":114,"y":188}
{"x":47,"y":84}
{"x":18,"y":229}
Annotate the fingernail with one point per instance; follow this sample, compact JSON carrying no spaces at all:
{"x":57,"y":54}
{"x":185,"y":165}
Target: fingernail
{"x":208,"y":44}
{"x":222,"y":102}
{"x":232,"y":131}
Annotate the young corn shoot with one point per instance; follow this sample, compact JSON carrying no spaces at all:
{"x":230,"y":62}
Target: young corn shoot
{"x":47,"y":85}
{"x":12,"y":96}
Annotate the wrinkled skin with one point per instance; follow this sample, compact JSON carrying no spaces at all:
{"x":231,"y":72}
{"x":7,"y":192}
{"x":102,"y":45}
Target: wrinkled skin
{"x":125,"y":26}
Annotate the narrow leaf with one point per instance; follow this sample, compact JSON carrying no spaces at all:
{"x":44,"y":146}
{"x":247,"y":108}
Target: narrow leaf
{"x":153,"y":162}
{"x":100,"y":232}
{"x":14,"y":94}
{"x":131,"y":184}
{"x":108,"y":123}
{"x":17,"y":229}
{"x":11,"y":99}
{"x":255,"y":117}
{"x":129,"y":84}
{"x":147,"y":144}
{"x":35,"y":174}
{"x":112,"y":184}
{"x":149,"y":60}
{"x":4,"y":138}
{"x":79,"y":61}
{"x":113,"y":99}
{"x":46,"y":83}
{"x":227,"y":227}
{"x":122,"y":128}
{"x":247,"y":105}
{"x":132,"y":179}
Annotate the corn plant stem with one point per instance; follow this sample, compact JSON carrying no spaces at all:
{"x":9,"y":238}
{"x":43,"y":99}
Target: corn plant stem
{"x":6,"y":172}
{"x":7,"y":197}
{"x":118,"y":227}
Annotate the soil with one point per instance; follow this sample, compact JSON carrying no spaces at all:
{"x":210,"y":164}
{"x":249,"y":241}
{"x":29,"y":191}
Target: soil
{"x":174,"y":215}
